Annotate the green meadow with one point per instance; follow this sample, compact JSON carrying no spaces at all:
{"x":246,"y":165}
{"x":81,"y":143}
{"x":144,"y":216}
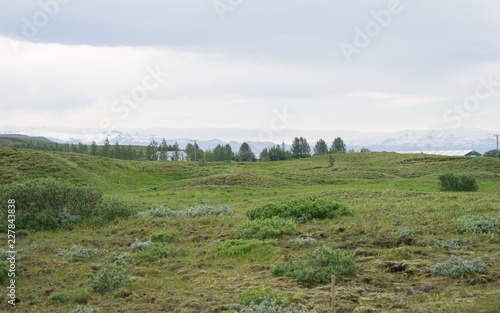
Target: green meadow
{"x":401,"y":224}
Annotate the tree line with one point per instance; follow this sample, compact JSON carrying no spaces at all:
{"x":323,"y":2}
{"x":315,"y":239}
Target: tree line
{"x":155,"y":151}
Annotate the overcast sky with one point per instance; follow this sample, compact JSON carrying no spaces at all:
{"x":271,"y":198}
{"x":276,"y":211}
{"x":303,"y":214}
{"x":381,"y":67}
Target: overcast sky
{"x":261,"y":65}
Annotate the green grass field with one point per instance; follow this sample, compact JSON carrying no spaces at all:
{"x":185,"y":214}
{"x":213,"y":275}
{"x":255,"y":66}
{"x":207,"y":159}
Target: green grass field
{"x":386,"y":192}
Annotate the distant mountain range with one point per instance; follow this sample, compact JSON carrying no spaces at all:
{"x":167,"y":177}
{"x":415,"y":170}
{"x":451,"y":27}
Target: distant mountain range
{"x":415,"y":140}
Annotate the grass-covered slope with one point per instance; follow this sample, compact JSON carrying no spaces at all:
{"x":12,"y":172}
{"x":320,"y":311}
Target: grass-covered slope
{"x":401,"y":226}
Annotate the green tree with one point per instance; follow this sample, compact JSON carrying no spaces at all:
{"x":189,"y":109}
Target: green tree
{"x":365,"y":150}
{"x":163,"y":149}
{"x":228,"y":153}
{"x":93,"y":149}
{"x":321,"y":147}
{"x":176,"y":155}
{"x":106,"y":149}
{"x":152,"y":151}
{"x":83,"y":149}
{"x":300,"y":148}
{"x":245,"y":154}
{"x":117,"y":151}
{"x":338,"y":146}
{"x":491,"y":154}
{"x":265,"y":156}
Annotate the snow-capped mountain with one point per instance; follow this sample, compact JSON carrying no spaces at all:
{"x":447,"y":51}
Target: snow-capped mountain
{"x":409,"y":140}
{"x":435,"y":139}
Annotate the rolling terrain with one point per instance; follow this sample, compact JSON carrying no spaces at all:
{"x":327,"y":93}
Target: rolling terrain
{"x":386,"y":192}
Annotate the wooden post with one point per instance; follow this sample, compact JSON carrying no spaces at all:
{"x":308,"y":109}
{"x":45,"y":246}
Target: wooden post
{"x":333,"y":294}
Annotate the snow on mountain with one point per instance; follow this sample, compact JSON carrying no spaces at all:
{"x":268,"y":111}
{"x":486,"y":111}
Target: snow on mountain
{"x":416,"y":140}
{"x":435,"y":139}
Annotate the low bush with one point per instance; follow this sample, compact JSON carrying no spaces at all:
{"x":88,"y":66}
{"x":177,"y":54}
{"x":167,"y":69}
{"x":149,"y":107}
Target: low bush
{"x":403,"y":232}
{"x":198,"y":211}
{"x":451,"y":244}
{"x":81,"y":296}
{"x":472,"y":224}
{"x":240,"y":247}
{"x":308,"y":240}
{"x":267,"y":228}
{"x":77,"y":253}
{"x":157,"y":251}
{"x":452,"y":182}
{"x":258,"y":295}
{"x":138,"y":245}
{"x":113,"y":275}
{"x":169,"y":237}
{"x":85,"y":309}
{"x":457,"y":267}
{"x":49,"y":204}
{"x":59,"y":297}
{"x":304,"y":209}
{"x":318,"y":267}
{"x":272,"y":306}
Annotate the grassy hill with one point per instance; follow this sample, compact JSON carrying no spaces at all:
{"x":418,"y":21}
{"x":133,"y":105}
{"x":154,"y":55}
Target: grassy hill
{"x":386,"y":192}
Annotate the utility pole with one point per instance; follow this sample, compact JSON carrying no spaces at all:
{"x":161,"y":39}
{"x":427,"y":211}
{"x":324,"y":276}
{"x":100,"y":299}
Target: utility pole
{"x":195,"y":140}
{"x":497,"y":142}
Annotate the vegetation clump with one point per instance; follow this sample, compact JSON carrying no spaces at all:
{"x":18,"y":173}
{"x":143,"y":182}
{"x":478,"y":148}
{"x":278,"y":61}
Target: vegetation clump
{"x":273,"y":306}
{"x":85,"y":309}
{"x":267,"y":228}
{"x":50,"y":203}
{"x":318,"y":267}
{"x":240,"y":247}
{"x":457,"y":267}
{"x":113,"y":275}
{"x":255,"y":296}
{"x":472,"y":224}
{"x":308,"y":240}
{"x":452,"y":244}
{"x":452,"y":182}
{"x":306,"y":209}
{"x":59,"y":297}
{"x":77,"y":253}
{"x":157,"y":251}
{"x":199,"y":211}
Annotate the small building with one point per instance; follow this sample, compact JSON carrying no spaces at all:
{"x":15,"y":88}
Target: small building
{"x":464,"y":153}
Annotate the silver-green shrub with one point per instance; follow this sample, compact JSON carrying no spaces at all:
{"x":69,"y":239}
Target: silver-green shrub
{"x":272,"y":306}
{"x":472,"y":224}
{"x":198,"y":211}
{"x":403,"y":232}
{"x":4,"y":254}
{"x":138,"y":245}
{"x":452,"y":244}
{"x":77,"y":253}
{"x":85,"y":309}
{"x":303,"y":241}
{"x":457,"y":267}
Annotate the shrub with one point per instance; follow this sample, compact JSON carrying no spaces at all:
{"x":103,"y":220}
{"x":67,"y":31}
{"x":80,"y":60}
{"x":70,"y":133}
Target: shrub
{"x":268,"y":228}
{"x":307,"y":209}
{"x":156,"y":252}
{"x":112,"y":209}
{"x":49,"y":203}
{"x":109,"y":278}
{"x":258,"y":295}
{"x":403,"y":232}
{"x":85,"y":309}
{"x":271,"y":306}
{"x":81,"y":296}
{"x":113,"y":275}
{"x":59,"y":297}
{"x":318,"y":267}
{"x":239,"y":247}
{"x":170,"y":237}
{"x":207,"y":210}
{"x":452,"y":244}
{"x":191,"y":212}
{"x":472,"y":224}
{"x":77,"y":253}
{"x":4,"y":254}
{"x":457,"y":267}
{"x":303,"y":241}
{"x":452,"y":182}
{"x":138,"y":245}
